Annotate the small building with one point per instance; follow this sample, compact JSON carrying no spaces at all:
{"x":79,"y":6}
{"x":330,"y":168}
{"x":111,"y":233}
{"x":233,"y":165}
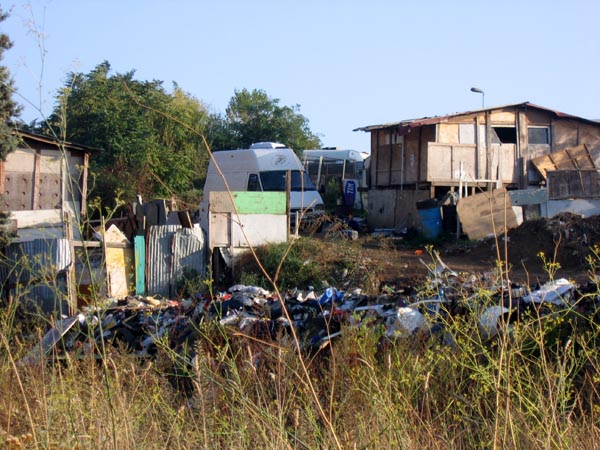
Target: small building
{"x":43,"y":186}
{"x":419,"y":159}
{"x":40,"y":181}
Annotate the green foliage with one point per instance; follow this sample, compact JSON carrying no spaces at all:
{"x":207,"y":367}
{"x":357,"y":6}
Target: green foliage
{"x":298,"y":269}
{"x":333,"y":192}
{"x":190,"y":283}
{"x":253,"y":116}
{"x":8,"y":111}
{"x":8,"y":108}
{"x":148,"y":140}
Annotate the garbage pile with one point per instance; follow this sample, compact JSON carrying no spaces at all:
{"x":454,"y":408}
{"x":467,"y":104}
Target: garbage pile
{"x":143,"y":324}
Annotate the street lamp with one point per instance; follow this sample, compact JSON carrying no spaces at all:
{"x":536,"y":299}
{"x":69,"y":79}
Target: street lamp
{"x":480,"y":91}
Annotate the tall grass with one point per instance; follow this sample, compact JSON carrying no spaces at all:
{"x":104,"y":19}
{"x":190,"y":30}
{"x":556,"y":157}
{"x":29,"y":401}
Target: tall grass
{"x":535,"y":385}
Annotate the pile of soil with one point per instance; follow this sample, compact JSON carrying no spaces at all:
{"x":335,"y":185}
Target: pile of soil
{"x":566,"y":239}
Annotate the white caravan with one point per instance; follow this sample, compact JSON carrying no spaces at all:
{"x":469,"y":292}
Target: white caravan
{"x":263,"y":168}
{"x":347,"y":166}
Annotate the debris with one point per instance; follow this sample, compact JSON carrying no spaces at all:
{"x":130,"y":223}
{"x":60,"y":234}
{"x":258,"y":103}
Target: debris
{"x":144,"y":324}
{"x":486,"y":214}
{"x":557,"y":292}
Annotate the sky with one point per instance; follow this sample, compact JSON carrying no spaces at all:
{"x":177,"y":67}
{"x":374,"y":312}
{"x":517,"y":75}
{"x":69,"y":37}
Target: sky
{"x":345,"y":63}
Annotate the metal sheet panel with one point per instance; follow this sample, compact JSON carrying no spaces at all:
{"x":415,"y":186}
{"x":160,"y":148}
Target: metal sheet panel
{"x":248,"y":202}
{"x":38,"y":268}
{"x":259,"y":229}
{"x":159,"y":259}
{"x":40,"y":258}
{"x":171,"y":249}
{"x":188,"y":253}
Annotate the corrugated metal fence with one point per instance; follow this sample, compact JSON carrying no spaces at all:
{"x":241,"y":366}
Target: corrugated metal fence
{"x":36,"y":272}
{"x":171,"y":249}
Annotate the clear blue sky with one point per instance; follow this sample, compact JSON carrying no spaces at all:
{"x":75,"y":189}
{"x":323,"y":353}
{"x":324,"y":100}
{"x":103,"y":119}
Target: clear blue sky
{"x":346,"y":63}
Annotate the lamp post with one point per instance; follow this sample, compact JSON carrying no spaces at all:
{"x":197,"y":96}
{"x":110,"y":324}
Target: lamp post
{"x":480,"y":91}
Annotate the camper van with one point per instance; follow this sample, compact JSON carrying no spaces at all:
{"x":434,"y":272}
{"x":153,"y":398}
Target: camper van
{"x":346,"y":167}
{"x":263,"y":167}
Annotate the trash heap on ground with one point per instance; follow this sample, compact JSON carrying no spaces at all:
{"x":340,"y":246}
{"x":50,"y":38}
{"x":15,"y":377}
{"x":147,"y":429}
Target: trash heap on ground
{"x":143,"y":324}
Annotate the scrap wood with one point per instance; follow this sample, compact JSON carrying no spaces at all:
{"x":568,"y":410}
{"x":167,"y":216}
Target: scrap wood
{"x":575,"y":158}
{"x":486,"y":214}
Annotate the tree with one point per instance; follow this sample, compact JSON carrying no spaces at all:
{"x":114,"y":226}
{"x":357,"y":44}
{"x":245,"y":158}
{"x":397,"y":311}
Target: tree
{"x":253,"y":116}
{"x":146,"y":138}
{"x":8,"y":111}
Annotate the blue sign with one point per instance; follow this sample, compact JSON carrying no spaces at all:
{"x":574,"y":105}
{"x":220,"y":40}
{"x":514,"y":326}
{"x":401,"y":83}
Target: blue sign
{"x":349,"y":192}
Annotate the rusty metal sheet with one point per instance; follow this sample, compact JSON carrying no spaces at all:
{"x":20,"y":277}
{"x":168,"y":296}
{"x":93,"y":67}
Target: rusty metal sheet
{"x":405,"y":125}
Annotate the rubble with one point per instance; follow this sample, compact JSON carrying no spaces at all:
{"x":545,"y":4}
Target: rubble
{"x":143,"y":324}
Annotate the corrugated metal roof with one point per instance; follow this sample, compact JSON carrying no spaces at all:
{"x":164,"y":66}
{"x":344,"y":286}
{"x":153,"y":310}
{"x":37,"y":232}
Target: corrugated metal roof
{"x":406,"y":125}
{"x":170,"y":250}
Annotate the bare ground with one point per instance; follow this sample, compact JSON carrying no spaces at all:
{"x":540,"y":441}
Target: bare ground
{"x":567,"y":240}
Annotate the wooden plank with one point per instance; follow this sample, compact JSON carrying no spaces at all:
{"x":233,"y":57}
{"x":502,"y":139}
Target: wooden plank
{"x":98,"y":244}
{"x":71,"y":284}
{"x":486,"y":214}
{"x":448,"y":133}
{"x":440,"y":162}
{"x":564,"y":184}
{"x":84,"y":182}
{"x":119,"y":264}
{"x":35,"y":188}
{"x":578,"y":157}
{"x":2,"y":192}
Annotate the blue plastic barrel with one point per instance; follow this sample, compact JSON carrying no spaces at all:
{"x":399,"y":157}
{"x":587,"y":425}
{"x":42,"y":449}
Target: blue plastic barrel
{"x":431,"y":221}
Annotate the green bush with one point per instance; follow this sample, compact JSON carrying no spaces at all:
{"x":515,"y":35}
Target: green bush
{"x":297,"y":270}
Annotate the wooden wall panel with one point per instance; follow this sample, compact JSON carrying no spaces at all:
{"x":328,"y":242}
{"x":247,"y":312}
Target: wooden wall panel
{"x":17,"y":191}
{"x":20,"y":160}
{"x":411,"y":157}
{"x":396,"y":167}
{"x":464,"y":119}
{"x":427,"y":135}
{"x":466,"y":155}
{"x":49,"y":191}
{"x":440,"y":162}
{"x":590,"y":135}
{"x":50,"y":161}
{"x":501,"y":117}
{"x":565,"y":134}
{"x":382,"y":165}
{"x":448,"y":133}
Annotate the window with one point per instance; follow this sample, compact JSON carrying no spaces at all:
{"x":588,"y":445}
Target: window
{"x":274,"y":180}
{"x":253,"y":184}
{"x":504,"y":135}
{"x":538,"y":135}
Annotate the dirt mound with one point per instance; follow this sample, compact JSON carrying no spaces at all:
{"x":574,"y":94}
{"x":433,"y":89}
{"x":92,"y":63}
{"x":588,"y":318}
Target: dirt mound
{"x":566,"y":239}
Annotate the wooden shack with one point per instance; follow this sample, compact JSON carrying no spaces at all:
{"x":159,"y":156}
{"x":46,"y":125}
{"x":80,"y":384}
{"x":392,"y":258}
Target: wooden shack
{"x":40,"y":181}
{"x":417,"y":159}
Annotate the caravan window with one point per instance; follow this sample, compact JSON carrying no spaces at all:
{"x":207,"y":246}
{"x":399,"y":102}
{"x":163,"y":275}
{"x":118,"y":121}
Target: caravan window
{"x":253,"y":184}
{"x":274,"y":180}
